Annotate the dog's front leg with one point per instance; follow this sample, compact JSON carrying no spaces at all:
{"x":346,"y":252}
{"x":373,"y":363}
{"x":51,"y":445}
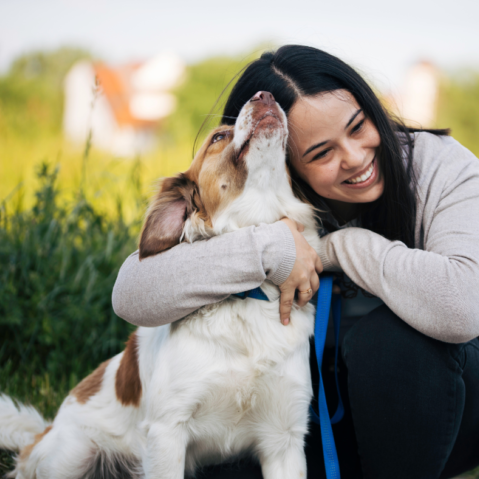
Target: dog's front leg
{"x":284,"y":419}
{"x":166,"y":451}
{"x":288,"y":461}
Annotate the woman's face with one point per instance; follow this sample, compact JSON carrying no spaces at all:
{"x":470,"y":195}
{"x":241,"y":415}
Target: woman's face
{"x":334,"y":147}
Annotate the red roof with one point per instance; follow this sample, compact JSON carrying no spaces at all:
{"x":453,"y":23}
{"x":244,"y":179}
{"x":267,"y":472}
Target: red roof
{"x":115,"y":85}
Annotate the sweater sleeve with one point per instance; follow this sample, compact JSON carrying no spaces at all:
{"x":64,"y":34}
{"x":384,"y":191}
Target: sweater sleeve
{"x":166,"y":287}
{"x":434,"y":289}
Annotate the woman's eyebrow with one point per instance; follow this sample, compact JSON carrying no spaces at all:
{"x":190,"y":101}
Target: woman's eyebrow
{"x":311,"y":148}
{"x":353,"y":117}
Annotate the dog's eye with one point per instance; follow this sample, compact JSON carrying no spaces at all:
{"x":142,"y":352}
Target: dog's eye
{"x":218,"y":137}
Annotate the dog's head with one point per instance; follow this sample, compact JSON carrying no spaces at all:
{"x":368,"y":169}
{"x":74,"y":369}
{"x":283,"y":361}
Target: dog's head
{"x":236,"y":179}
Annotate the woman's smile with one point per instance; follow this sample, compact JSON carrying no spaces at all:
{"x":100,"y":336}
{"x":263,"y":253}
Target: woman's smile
{"x":364,"y":178}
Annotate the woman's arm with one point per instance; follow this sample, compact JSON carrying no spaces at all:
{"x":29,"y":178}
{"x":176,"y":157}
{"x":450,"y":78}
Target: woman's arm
{"x":434,"y":289}
{"x":171,"y":285}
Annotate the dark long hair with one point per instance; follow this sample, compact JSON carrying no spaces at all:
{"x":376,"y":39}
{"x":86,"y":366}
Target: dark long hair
{"x":295,"y":71}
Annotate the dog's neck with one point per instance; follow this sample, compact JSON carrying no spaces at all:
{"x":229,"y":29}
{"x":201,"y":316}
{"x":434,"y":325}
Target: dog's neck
{"x":267,"y":198}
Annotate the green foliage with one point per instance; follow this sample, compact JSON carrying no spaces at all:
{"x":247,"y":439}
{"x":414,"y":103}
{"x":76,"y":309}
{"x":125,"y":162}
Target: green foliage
{"x":6,"y":462}
{"x":59,"y":264}
{"x":31,"y":94}
{"x":459,"y":108}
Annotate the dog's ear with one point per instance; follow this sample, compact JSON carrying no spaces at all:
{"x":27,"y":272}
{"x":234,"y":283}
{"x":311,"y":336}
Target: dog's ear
{"x":167,"y":215}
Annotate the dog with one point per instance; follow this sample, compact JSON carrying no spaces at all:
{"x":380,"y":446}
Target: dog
{"x":229,"y":379}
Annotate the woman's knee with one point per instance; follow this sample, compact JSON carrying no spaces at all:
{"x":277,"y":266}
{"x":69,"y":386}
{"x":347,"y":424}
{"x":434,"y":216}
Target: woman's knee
{"x":406,"y":394}
{"x":381,"y":345}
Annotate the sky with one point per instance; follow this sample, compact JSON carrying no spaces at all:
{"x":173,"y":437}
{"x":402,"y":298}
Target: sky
{"x":381,"y":38}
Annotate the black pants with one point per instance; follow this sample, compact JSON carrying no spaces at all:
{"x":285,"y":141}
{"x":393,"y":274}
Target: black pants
{"x":411,"y":406}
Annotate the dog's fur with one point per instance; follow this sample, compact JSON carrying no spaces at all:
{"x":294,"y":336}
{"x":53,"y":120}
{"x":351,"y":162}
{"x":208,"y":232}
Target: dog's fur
{"x":227,"y":380}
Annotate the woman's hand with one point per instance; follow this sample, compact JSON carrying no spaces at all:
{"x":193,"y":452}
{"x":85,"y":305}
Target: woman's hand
{"x":304,"y":275}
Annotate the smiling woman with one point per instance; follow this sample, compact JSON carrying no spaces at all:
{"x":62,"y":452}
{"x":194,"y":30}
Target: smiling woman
{"x":334,"y":148}
{"x":397,"y":213}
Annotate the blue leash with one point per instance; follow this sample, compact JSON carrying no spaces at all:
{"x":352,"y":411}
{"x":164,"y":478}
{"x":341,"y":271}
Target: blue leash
{"x":325,"y":294}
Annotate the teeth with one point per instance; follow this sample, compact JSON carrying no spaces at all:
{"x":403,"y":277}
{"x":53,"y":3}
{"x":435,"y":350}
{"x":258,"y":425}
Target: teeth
{"x":363,"y":177}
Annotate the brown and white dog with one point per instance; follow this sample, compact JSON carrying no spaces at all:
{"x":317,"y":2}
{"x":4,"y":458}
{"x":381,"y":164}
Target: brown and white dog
{"x":229,"y":379}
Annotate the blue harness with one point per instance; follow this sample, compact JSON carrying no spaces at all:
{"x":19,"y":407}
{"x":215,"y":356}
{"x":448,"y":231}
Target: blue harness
{"x":321,"y":325}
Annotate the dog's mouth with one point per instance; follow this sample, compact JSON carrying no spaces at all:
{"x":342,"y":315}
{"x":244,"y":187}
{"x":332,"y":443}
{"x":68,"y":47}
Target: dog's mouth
{"x":243,"y":150}
{"x":245,"y":146}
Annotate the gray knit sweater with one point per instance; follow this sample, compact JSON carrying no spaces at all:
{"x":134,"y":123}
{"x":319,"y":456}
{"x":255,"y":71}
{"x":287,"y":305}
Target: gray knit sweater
{"x":433,"y":287}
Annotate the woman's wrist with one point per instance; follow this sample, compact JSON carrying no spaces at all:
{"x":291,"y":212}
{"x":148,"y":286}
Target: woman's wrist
{"x":325,"y":253}
{"x":278,"y":249}
{"x":304,"y":275}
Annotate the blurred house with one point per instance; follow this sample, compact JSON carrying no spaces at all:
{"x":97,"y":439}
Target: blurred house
{"x":123,"y":106}
{"x":416,"y":101}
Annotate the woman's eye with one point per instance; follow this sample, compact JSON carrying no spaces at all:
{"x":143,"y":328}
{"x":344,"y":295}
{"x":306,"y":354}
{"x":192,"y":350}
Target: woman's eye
{"x":358,"y":127}
{"x":218,"y":137}
{"x":322,"y":154}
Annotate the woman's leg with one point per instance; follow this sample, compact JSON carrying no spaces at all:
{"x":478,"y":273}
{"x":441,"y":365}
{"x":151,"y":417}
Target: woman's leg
{"x":465,"y":453}
{"x":408,"y":396}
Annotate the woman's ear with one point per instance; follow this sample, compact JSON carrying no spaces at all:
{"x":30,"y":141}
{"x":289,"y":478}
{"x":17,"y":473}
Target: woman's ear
{"x":167,"y":215}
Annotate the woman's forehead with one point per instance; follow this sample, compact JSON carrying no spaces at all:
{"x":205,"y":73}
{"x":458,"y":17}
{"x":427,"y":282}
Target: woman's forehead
{"x":325,"y":107}
{"x":321,"y":117}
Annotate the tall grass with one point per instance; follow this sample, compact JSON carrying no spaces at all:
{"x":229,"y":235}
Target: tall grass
{"x":106,"y":178}
{"x":59,"y":262}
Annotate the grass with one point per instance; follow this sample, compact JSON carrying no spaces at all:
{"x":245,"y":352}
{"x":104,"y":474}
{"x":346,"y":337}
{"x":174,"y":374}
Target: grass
{"x":60,"y":258}
{"x":104,"y":178}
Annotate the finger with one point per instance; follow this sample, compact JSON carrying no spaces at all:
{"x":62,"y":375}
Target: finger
{"x":285,"y":305}
{"x":314,"y":283}
{"x":305,"y":293}
{"x":318,"y":266}
{"x":336,"y":289}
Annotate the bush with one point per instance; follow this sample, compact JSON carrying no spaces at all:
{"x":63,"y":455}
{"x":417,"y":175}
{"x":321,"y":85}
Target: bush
{"x":59,"y":264}
{"x":458,"y":108}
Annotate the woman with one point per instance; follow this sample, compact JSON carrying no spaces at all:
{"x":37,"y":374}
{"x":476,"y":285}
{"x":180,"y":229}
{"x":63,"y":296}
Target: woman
{"x":398,"y":214}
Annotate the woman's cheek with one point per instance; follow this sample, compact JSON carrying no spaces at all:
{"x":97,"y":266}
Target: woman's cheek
{"x":323,"y":181}
{"x":373,"y":140}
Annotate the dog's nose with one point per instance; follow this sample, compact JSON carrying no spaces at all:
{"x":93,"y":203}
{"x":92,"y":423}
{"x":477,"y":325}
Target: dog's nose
{"x":264,"y":97}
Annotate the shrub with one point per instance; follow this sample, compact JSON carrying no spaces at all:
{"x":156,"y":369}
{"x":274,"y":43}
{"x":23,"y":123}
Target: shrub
{"x":59,"y":264}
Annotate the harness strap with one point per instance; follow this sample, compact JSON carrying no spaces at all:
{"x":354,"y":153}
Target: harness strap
{"x":256,"y":293}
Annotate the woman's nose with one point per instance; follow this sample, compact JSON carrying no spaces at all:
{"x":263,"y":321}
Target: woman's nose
{"x":353,"y":156}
